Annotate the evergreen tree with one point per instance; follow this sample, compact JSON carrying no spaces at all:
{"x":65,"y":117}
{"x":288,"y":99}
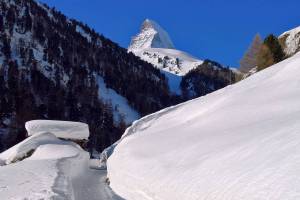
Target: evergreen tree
{"x":270,"y":53}
{"x":273,"y":43}
{"x":249,"y":59}
{"x":265,"y":58}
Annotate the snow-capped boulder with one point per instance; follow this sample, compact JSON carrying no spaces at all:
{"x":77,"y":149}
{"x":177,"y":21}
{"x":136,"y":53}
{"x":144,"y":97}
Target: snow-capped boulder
{"x":290,"y":40}
{"x":61,"y":129}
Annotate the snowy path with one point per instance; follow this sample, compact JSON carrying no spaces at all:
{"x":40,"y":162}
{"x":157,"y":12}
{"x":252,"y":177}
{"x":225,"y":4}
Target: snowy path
{"x":93,"y":186}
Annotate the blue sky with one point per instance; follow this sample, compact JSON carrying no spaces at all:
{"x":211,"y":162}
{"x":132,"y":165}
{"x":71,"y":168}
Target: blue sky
{"x":220,"y":30}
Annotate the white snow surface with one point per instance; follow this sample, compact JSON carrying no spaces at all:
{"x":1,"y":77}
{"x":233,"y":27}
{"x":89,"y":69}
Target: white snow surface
{"x":292,"y":41}
{"x":57,"y":169}
{"x":32,"y":143}
{"x":240,"y":142}
{"x":185,"y":61}
{"x":61,"y":129}
{"x":44,"y":175}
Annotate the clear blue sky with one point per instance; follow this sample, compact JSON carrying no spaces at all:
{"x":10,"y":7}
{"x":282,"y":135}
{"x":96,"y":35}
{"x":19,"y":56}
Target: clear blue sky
{"x":220,"y":30}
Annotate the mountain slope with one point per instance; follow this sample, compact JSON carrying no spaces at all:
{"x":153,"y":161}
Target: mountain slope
{"x":241,"y":142}
{"x":52,"y":67}
{"x":154,"y":45}
{"x":152,"y":35}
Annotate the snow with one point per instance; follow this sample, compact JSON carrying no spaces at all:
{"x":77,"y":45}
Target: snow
{"x":186,"y":61}
{"x":40,"y":176}
{"x":154,"y":45}
{"x":152,"y":35}
{"x":240,"y":142}
{"x":120,"y":104}
{"x":61,"y":129}
{"x":83,"y":33}
{"x":20,"y":150}
{"x":173,"y":82}
{"x":57,"y":169}
{"x":292,"y":41}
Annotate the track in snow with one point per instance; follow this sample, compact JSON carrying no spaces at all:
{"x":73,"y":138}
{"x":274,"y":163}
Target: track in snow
{"x":96,"y":189}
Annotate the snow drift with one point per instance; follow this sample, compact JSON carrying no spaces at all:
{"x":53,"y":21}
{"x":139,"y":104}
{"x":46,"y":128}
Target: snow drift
{"x":241,"y":142}
{"x":21,"y":150}
{"x":61,"y":129}
{"x":42,"y":167}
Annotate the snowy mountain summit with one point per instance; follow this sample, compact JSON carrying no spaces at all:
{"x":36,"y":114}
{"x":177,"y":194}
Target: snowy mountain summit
{"x":153,"y":44}
{"x":152,"y":35}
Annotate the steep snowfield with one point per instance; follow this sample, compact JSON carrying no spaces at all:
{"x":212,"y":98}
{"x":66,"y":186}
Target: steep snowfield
{"x":241,"y":142}
{"x":154,"y":45}
{"x":121,"y":107}
{"x":177,"y":62}
{"x":291,"y":41}
{"x":61,"y":129}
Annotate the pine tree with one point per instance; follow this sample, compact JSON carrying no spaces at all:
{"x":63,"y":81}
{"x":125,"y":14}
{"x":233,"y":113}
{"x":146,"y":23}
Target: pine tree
{"x":249,"y":59}
{"x":265,"y":58}
{"x":273,"y":43}
{"x":270,"y":53}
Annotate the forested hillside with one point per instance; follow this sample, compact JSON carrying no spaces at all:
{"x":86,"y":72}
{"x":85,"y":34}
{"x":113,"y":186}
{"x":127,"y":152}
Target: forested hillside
{"x":50,"y":68}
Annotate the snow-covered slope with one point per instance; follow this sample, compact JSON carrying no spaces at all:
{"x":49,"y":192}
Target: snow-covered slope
{"x":170,"y":60}
{"x":241,"y":142}
{"x":291,"y":41}
{"x":121,"y":107}
{"x":154,"y":45}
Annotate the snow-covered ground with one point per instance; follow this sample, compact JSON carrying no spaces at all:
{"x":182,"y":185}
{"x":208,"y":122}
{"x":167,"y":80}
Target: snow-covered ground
{"x":241,"y":142}
{"x":45,"y":167}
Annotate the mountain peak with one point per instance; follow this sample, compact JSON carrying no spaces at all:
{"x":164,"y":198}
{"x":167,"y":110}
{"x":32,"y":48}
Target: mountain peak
{"x":151,"y":35}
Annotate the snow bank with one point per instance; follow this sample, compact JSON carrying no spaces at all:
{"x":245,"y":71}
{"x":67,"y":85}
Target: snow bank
{"x":20,"y":150}
{"x":241,"y":142}
{"x":61,"y":129}
{"x":46,"y":174}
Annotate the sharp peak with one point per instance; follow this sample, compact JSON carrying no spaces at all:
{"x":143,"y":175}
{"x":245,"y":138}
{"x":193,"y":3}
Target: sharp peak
{"x":151,"y":35}
{"x":149,"y":23}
